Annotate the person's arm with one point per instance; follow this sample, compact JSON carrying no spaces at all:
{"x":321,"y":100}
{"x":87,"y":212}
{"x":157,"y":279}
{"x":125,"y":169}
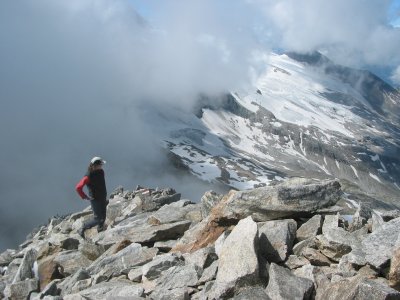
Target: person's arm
{"x":80,"y":185}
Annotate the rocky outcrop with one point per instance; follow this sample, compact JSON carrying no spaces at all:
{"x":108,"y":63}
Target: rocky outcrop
{"x":267,"y":243}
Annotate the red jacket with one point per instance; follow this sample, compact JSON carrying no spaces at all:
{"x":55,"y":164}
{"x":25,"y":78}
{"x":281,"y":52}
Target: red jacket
{"x":79,"y":187}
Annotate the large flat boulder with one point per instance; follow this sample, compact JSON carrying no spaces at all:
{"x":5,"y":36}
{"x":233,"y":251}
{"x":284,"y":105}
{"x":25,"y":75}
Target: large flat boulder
{"x":144,"y":234}
{"x":131,"y":256}
{"x":286,"y":200}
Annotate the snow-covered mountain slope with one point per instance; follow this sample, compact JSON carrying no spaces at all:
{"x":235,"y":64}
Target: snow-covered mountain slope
{"x":304,"y":116}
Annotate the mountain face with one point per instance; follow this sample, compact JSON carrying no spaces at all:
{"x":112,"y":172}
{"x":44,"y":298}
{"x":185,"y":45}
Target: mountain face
{"x":304,"y":116}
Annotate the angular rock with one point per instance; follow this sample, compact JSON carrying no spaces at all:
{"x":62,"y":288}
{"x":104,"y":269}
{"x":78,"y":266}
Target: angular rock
{"x":284,"y":285}
{"x":22,"y":289}
{"x":154,"y":202}
{"x":51,"y":289}
{"x":71,"y":261}
{"x":358,"y":288}
{"x":310,"y":229}
{"x":144,"y":234}
{"x":294,"y":261}
{"x":7,"y":257}
{"x":208,"y":201}
{"x":377,"y":221}
{"x":67,"y":285}
{"x":209,"y":273}
{"x":315,"y":257}
{"x":360,"y":217}
{"x":174,"y":294}
{"x":25,"y":269}
{"x":202,"y":257}
{"x":300,"y":246}
{"x":178,"y":277}
{"x":220,"y":242}
{"x":380,"y":245}
{"x":165,"y":246}
{"x":252,"y":293}
{"x":238,"y":261}
{"x":69,"y":243}
{"x":174,"y":212}
{"x":131,"y":256}
{"x":276,"y":239}
{"x":90,"y":250}
{"x":135,"y":274}
{"x":394,"y":272}
{"x":111,"y":290}
{"x":160,"y":263}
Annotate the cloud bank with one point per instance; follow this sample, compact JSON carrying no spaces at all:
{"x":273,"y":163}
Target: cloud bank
{"x":78,"y":79}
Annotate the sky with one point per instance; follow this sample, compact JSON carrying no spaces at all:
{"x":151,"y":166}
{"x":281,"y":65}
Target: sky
{"x":82,"y":78}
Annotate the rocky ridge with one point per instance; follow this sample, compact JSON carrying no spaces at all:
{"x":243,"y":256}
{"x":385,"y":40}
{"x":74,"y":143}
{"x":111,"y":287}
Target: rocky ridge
{"x":293,"y":240}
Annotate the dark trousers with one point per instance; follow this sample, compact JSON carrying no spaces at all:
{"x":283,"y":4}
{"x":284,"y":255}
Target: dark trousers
{"x":99,"y":207}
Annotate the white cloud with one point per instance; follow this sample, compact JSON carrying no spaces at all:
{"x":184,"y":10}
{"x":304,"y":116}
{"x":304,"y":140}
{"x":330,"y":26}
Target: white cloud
{"x":351,"y":32}
{"x":396,"y":76}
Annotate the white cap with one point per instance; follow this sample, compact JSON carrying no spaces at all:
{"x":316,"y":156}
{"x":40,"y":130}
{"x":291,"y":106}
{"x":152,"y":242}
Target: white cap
{"x":97,"y":158}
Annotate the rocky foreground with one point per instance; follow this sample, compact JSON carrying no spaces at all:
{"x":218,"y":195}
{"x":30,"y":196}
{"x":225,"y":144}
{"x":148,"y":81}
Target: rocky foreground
{"x":288,"y":241}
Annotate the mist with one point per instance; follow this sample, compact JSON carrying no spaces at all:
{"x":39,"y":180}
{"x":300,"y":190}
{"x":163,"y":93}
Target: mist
{"x":79,"y":79}
{"x":84,"y":78}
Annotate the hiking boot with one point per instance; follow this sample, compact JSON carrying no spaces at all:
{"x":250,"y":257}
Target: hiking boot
{"x":81,"y":232}
{"x":100,"y":228}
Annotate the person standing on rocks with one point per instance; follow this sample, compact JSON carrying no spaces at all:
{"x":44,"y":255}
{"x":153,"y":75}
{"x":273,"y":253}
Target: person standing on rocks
{"x":95,"y":181}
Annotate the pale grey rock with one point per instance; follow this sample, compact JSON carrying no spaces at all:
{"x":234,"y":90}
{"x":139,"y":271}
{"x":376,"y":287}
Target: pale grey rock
{"x":12,"y":268}
{"x":252,"y":293}
{"x":25,"y":269}
{"x":310,"y":229}
{"x":285,"y":200}
{"x":112,"y":290}
{"x":144,"y":234}
{"x":377,"y":221}
{"x":51,"y":289}
{"x":131,"y":256}
{"x":90,"y":250}
{"x":68,"y":283}
{"x":330,"y":222}
{"x":174,"y":294}
{"x":300,"y":246}
{"x":178,"y":277}
{"x":7,"y":257}
{"x":357,"y":288}
{"x":208,"y":201}
{"x":135,"y":274}
{"x":202,"y":257}
{"x":22,"y":289}
{"x":173,"y":212}
{"x":294,"y":262}
{"x":209,"y":273}
{"x":315,"y":257}
{"x":155,"y":201}
{"x":160,"y":263}
{"x":360,"y":217}
{"x":71,"y":261}
{"x":238,"y":262}
{"x":379,"y":245}
{"x":276,"y":239}
{"x":220,"y":242}
{"x":285,"y":285}
{"x":81,"y":285}
{"x":165,"y":246}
